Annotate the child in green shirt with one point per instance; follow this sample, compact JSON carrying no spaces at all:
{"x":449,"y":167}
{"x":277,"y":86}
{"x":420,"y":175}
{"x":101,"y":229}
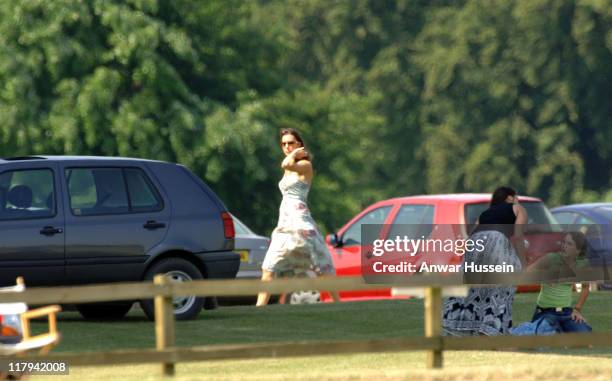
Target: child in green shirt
{"x":555,"y":299}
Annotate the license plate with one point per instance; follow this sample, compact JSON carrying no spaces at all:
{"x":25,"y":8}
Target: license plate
{"x":244,"y":255}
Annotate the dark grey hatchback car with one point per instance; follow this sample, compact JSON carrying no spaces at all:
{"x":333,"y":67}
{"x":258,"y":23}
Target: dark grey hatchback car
{"x":68,"y":220}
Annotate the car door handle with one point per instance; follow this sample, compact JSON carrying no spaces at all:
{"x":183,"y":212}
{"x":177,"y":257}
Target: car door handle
{"x":50,"y":230}
{"x":152,"y":225}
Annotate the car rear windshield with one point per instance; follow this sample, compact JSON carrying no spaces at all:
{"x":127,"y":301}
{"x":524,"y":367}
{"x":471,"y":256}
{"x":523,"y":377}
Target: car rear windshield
{"x":538,"y":215}
{"x":241,"y":228}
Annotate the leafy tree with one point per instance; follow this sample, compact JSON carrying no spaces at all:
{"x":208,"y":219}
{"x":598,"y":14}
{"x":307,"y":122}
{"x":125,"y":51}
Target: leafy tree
{"x":394,"y":97}
{"x":513,"y":96}
{"x":124,"y":77}
{"x":244,"y":164}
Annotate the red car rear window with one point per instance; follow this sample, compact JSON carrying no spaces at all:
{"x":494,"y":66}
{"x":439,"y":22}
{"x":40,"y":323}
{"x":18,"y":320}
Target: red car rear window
{"x":537,"y":212}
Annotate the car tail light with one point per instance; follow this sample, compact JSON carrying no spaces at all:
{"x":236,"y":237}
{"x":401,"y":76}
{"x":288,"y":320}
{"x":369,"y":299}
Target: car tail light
{"x":9,"y":325}
{"x":228,"y":225}
{"x":8,"y":331}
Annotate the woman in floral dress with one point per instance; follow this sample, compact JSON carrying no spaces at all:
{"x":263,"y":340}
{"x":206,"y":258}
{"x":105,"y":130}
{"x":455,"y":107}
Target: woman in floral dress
{"x":297,"y":246}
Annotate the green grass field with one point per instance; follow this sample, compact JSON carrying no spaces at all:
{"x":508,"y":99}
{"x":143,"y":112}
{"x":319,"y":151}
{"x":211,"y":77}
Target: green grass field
{"x":343,"y":321}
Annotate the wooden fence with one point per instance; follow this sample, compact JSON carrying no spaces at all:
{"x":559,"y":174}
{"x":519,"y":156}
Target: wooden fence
{"x":166,"y":353}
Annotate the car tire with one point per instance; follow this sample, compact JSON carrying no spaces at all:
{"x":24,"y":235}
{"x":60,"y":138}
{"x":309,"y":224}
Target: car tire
{"x":104,"y":311}
{"x":180,"y":270}
{"x":304,"y":297}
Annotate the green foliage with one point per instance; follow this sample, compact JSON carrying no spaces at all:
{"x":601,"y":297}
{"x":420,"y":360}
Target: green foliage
{"x":123,"y":78}
{"x":242,"y":154}
{"x":516,"y":92}
{"x":393,"y":97}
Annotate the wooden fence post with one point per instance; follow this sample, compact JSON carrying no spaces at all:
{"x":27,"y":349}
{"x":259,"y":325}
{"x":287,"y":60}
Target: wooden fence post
{"x":164,"y":323}
{"x":433,"y":324}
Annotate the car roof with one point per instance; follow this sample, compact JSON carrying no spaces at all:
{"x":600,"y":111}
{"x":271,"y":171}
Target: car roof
{"x":586,"y":206}
{"x":72,"y":158}
{"x":456,"y":197}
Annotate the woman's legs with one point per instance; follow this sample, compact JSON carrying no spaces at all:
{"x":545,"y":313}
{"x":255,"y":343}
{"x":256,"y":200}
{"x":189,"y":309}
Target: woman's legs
{"x":569,"y":325}
{"x":330,"y":272}
{"x":335,"y":296}
{"x":562,"y":321}
{"x":264,"y":297}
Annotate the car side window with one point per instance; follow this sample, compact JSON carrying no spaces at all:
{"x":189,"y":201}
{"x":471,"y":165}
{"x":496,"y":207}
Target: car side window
{"x":588,"y":227}
{"x":26,"y":194}
{"x":143,"y":196}
{"x":413,"y":221}
{"x":591,"y":230}
{"x":100,"y":191}
{"x":565,"y":218}
{"x":584,"y":220}
{"x":95,"y":191}
{"x":352,"y":236}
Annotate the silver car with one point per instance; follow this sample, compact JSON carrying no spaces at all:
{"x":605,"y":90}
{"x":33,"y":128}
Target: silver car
{"x":252,"y":249}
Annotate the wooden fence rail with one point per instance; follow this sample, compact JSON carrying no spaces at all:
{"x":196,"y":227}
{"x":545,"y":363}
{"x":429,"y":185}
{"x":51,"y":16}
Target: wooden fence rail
{"x":242,"y":287}
{"x":298,"y":349}
{"x":166,"y":353}
{"x":237,"y":287}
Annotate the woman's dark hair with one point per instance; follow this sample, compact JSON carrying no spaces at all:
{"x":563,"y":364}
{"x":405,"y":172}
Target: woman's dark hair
{"x":581,"y":242}
{"x":293,"y":132}
{"x":501,"y":194}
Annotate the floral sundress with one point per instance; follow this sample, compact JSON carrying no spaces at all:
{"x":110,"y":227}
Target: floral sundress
{"x":297,"y":246}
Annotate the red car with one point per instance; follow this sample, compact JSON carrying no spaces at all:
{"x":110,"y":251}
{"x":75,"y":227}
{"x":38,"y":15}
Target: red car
{"x":459,"y":210}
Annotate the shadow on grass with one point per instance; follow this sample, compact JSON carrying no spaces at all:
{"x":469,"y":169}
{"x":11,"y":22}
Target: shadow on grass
{"x":76,"y":318}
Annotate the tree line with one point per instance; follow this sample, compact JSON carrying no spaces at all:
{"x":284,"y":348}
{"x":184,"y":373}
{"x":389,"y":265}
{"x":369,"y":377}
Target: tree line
{"x":393,"y":97}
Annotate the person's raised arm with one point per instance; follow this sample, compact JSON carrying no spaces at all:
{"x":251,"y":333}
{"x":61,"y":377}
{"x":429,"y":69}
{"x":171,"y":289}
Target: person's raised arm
{"x":293,"y":163}
{"x":545,"y":263}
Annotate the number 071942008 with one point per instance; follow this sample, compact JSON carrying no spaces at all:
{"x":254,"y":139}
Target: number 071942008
{"x":22,"y":366}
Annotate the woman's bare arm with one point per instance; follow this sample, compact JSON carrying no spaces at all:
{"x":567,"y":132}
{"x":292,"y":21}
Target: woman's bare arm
{"x":519,"y":228}
{"x":301,"y":167}
{"x":577,"y":312}
{"x":545,"y":263}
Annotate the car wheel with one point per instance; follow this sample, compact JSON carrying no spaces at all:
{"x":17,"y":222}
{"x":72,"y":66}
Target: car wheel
{"x":104,"y":311}
{"x":305,"y":297}
{"x":178,"y":270}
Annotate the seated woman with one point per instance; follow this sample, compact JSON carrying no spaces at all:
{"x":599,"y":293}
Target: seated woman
{"x":555,"y":299}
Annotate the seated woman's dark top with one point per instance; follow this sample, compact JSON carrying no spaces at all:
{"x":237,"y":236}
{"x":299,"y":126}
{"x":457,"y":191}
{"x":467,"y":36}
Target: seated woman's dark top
{"x":498,"y":217}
